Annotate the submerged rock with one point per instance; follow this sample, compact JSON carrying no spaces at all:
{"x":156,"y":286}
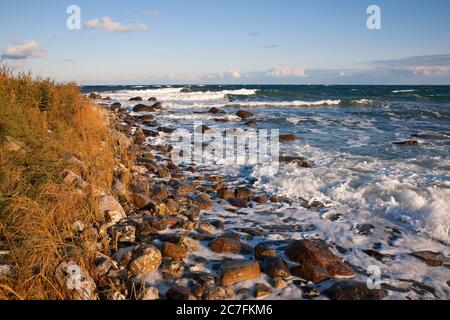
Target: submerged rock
{"x":316,"y":261}
{"x":351,"y":290}
{"x":432,"y":259}
{"x":244,"y":114}
{"x":143,"y":108}
{"x":287,"y":137}
{"x":136,"y":99}
{"x":407,"y":143}
{"x":299,"y":161}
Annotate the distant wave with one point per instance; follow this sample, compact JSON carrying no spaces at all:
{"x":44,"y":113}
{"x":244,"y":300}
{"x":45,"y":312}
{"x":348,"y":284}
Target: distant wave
{"x":403,"y":91}
{"x":297,"y":103}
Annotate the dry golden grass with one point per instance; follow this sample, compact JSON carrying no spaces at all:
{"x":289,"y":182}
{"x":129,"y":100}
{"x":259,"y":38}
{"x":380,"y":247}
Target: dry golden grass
{"x":50,"y":122}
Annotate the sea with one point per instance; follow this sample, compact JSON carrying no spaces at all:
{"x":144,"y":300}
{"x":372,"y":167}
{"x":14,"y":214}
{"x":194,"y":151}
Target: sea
{"x":361,"y":174}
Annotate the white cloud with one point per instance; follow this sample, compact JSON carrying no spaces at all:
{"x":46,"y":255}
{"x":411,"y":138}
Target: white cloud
{"x":430,"y":71}
{"x":286,"y":72}
{"x":236,"y":74}
{"x":108,"y":25}
{"x":24,"y":50}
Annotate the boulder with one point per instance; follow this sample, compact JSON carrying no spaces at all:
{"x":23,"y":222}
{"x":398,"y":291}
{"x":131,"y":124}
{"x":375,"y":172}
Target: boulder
{"x":432,"y":259}
{"x":351,"y":290}
{"x":262,"y":251}
{"x":94,"y":96}
{"x":287,"y":137}
{"x":298,"y":161}
{"x":244,"y":193}
{"x":228,"y":245}
{"x":316,"y":261}
{"x":237,"y":271}
{"x":179,"y":293}
{"x":244,"y":114}
{"x":111,"y":209}
{"x":238,"y":203}
{"x":143,"y":108}
{"x":145,"y":259}
{"x":174,"y":251}
{"x":203,"y":202}
{"x":214,"y":110}
{"x":276,"y":268}
{"x":136,"y":99}
{"x":153,"y":99}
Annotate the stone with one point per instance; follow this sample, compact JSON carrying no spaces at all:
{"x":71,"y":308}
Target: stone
{"x":287,"y":137}
{"x":135,"y":99}
{"x":179,"y":293}
{"x":111,"y":209}
{"x":298,"y":161}
{"x":153,"y":99}
{"x":316,"y":261}
{"x":226,"y":194}
{"x":432,"y":259}
{"x":140,"y":200}
{"x":173,"y":269}
{"x":184,"y":190}
{"x":238,"y":203}
{"x":310,"y":292}
{"x":261,"y":199}
{"x":244,"y":193}
{"x":70,"y":276}
{"x":215,"y":179}
{"x":278,"y":283}
{"x":262,"y":251}
{"x":407,"y":143}
{"x":351,"y":290}
{"x":94,"y":96}
{"x":276,"y":268}
{"x":103,"y":264}
{"x":217,"y":293}
{"x":203,"y":202}
{"x":234,"y":272}
{"x":365,"y":229}
{"x":174,"y":251}
{"x":119,"y":189}
{"x":150,"y":133}
{"x":159,"y":193}
{"x":244,"y":114}
{"x":167,"y":130}
{"x":146,"y":259}
{"x":149,"y":294}
{"x":228,"y":245}
{"x":261,"y":291}
{"x":251,"y":123}
{"x":143,"y":108}
{"x":214,"y":110}
{"x":123,"y":233}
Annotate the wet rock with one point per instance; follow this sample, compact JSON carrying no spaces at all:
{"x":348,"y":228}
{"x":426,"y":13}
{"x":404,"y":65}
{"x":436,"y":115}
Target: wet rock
{"x":174,"y":251}
{"x":251,"y":123}
{"x":287,"y":137}
{"x":244,"y":114}
{"x":261,"y":199}
{"x":379,"y":256}
{"x":143,"y":108}
{"x":159,"y":193}
{"x":276,"y":268}
{"x":203,"y":202}
{"x":135,"y":99}
{"x":167,"y":130}
{"x":146,"y":259}
{"x":214,"y":110}
{"x":157,"y":105}
{"x":146,"y":117}
{"x":184,"y":190}
{"x":215,"y":179}
{"x":172,"y":269}
{"x":94,"y":96}
{"x":72,"y":277}
{"x":298,"y":161}
{"x":226,"y":194}
{"x":179,"y":293}
{"x":261,"y":291}
{"x":316,"y":261}
{"x":244,"y":193}
{"x":263,"y":251}
{"x":228,"y":245}
{"x":278,"y":283}
{"x":237,"y":271}
{"x":432,"y":259}
{"x":310,"y":292}
{"x":149,"y":294}
{"x":140,"y":200}
{"x":151,"y":124}
{"x":407,"y":143}
{"x":153,"y":99}
{"x":351,"y":290}
{"x":150,"y":133}
{"x":238,"y":203}
{"x":365,"y":229}
{"x":115,"y":105}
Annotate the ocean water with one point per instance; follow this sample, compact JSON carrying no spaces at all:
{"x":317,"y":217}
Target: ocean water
{"x":358,"y":173}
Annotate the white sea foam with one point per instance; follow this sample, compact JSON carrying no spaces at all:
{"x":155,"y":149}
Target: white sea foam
{"x":297,"y":103}
{"x":403,"y":91}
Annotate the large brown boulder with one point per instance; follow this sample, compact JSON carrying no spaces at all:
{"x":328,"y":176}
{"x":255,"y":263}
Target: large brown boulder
{"x":237,"y":271}
{"x":244,"y":114}
{"x":316,"y":261}
{"x":228,"y":245}
{"x":146,"y":259}
{"x":174,"y":251}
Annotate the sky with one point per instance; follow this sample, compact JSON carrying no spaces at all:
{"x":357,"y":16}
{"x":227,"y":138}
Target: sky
{"x":229,"y":41}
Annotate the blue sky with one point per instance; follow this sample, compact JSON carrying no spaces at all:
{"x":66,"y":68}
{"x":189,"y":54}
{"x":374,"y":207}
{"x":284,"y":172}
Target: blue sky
{"x":218,"y":41}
